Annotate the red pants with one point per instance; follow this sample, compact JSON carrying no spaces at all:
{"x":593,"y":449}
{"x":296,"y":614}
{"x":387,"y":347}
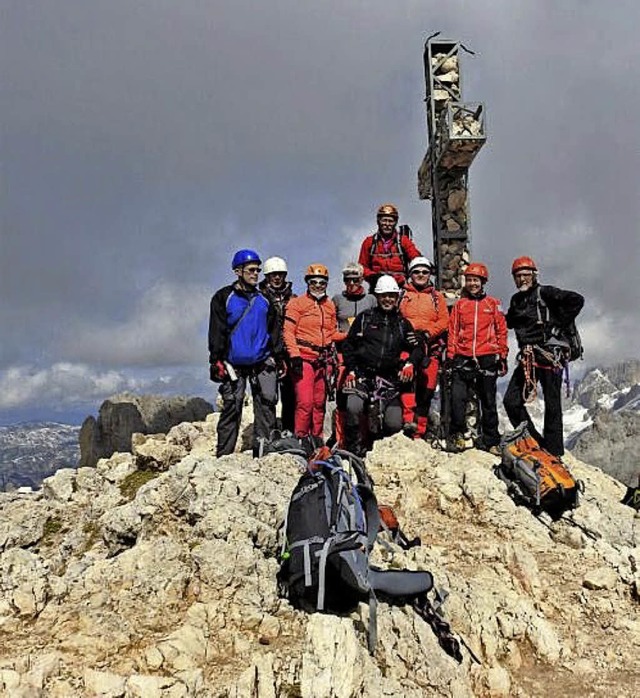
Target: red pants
{"x":310,"y":392}
{"x":415,"y":406}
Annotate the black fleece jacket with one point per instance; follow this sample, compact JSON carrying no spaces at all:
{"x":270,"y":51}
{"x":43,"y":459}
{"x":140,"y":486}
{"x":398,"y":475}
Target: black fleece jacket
{"x":526,"y":317}
{"x":375,"y":341}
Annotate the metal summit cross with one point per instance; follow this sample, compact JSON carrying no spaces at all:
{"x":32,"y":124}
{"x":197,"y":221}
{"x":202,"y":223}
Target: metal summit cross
{"x":456,"y":133}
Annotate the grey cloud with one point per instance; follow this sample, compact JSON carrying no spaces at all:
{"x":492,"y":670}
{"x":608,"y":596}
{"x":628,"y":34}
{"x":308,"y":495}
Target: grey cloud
{"x":142,"y":142}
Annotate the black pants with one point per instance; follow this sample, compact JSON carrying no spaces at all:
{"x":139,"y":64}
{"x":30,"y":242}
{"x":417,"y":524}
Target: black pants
{"x":263,"y":383}
{"x":481,"y":377}
{"x":551,"y":382}
{"x":357,"y":407}
{"x":288,"y":401}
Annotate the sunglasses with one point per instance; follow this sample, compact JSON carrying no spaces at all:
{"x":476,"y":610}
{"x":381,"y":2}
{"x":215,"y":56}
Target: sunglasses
{"x":420,"y":272}
{"x":252,"y":270}
{"x":317,"y":282}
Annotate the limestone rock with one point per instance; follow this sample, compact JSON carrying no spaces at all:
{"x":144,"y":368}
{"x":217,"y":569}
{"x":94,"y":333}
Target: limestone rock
{"x":170,"y":589}
{"x":158,"y":455}
{"x":61,"y":485}
{"x":600,"y":578}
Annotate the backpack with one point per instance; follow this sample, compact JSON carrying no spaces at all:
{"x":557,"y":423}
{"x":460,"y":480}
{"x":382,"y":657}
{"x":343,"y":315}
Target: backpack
{"x":566,"y":337}
{"x":330,"y":528}
{"x":285,"y":442}
{"x":535,"y":477}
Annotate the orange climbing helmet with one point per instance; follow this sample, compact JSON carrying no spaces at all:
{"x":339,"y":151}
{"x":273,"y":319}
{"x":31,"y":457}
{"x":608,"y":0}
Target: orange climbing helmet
{"x":477,"y":269}
{"x":523,"y":263}
{"x":316,"y":270}
{"x":388,"y":210}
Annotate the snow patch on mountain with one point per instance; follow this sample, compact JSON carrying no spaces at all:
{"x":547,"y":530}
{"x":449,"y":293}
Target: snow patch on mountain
{"x":31,"y":451}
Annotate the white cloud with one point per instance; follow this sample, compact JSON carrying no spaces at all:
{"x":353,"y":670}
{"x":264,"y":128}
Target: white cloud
{"x":64,"y":385}
{"x":166,"y":326}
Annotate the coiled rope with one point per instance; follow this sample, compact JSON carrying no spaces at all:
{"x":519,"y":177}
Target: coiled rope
{"x":530,"y":387}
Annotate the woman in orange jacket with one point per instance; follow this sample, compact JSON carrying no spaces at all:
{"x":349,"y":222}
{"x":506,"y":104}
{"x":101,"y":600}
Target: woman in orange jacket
{"x":309,"y":330}
{"x":477,"y":351}
{"x":426,"y":310}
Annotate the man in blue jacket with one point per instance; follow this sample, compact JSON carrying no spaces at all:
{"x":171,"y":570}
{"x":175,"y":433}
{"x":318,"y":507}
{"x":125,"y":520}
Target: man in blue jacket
{"x":244,"y":346}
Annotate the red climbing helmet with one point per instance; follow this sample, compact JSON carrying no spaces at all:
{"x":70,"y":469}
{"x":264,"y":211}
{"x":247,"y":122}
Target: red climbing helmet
{"x":523,"y":263}
{"x":477,"y":269}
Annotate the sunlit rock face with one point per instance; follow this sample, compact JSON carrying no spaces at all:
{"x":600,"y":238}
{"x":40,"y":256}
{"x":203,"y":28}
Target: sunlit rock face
{"x":153,"y":574}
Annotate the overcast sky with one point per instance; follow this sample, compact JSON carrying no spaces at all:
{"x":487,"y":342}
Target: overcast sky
{"x":143,"y":141}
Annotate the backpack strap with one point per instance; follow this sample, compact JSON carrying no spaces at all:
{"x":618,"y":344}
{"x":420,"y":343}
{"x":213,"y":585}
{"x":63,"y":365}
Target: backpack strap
{"x":244,"y":314}
{"x":322,"y":573}
{"x":541,"y":306}
{"x":398,"y":243}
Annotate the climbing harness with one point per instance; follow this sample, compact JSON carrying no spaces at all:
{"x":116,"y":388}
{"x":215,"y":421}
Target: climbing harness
{"x":328,"y":359}
{"x":556,"y":361}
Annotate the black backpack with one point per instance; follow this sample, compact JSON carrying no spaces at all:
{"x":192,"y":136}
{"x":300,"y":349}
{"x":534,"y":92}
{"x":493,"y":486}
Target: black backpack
{"x":330,"y":528}
{"x":286,"y":442}
{"x":566,"y":337}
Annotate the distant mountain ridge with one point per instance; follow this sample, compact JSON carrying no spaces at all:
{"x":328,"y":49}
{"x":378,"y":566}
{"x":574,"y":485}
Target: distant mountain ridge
{"x":601,"y":418}
{"x":31,"y":451}
{"x":609,"y":436}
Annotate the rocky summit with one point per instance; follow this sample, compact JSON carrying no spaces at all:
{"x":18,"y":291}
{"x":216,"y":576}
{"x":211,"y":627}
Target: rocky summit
{"x":153,"y":574}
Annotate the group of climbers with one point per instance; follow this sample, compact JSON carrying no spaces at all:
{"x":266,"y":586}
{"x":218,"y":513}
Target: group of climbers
{"x":381,"y":354}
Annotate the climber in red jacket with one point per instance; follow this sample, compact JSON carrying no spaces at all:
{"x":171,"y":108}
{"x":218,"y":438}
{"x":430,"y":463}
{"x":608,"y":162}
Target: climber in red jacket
{"x":389,"y":250}
{"x":477,"y":354}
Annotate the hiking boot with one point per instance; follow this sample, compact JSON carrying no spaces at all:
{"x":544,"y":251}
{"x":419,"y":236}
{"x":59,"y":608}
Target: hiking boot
{"x":410,"y":429}
{"x":632,"y":498}
{"x":457,"y":444}
{"x":494,"y":449}
{"x":460,"y":443}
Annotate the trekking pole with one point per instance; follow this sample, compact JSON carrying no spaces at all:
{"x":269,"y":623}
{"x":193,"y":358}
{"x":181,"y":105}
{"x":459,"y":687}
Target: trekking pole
{"x":446,"y":378}
{"x":442,"y":630}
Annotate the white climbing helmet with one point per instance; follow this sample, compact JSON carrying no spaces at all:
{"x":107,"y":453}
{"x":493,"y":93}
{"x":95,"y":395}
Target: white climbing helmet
{"x":387,"y":284}
{"x":420,"y":262}
{"x":274,"y":265}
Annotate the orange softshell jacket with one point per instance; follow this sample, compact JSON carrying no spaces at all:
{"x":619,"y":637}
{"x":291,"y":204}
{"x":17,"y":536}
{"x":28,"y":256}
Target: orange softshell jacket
{"x":426,"y":310}
{"x":309,"y":326}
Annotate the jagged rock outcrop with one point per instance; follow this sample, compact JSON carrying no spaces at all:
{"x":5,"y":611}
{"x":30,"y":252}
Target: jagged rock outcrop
{"x":611,"y":396}
{"x":611,"y":443}
{"x":122,"y":415}
{"x":604,"y":381}
{"x":117,"y":581}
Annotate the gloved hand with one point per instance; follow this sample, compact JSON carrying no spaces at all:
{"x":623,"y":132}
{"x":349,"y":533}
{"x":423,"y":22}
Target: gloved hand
{"x":217,"y":372}
{"x":406,"y":373}
{"x":350,"y":380}
{"x":503,"y":367}
{"x":296,"y":366}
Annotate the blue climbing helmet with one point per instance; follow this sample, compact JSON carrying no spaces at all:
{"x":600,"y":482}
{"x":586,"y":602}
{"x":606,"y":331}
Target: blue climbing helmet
{"x":242,"y":257}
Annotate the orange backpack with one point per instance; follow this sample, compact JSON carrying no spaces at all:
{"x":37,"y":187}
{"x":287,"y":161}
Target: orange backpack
{"x":535,"y":477}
